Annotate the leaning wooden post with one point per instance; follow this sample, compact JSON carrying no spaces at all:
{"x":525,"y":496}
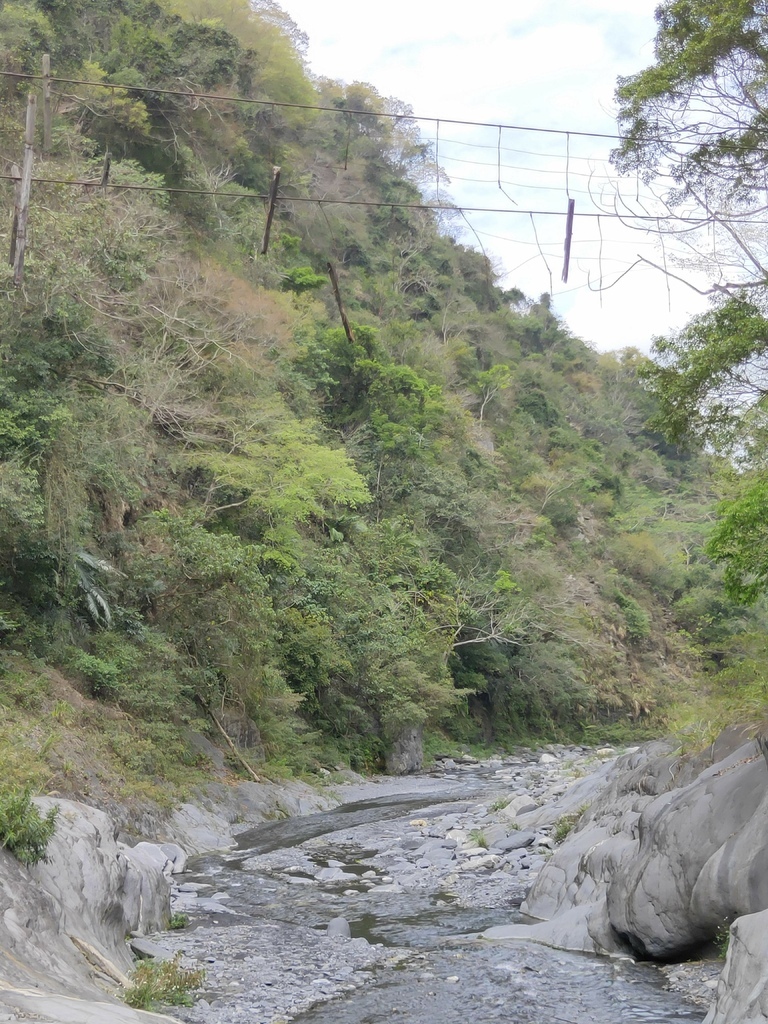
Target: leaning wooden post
{"x":270,"y":210}
{"x":47,"y":111}
{"x":26,"y":187}
{"x":105,"y":172}
{"x":16,"y":175}
{"x":340,"y":304}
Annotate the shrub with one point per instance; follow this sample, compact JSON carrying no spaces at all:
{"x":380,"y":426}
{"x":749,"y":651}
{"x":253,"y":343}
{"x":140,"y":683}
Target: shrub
{"x":638,"y":622}
{"x":23,"y":831}
{"x":566,"y":823}
{"x":158,"y":982}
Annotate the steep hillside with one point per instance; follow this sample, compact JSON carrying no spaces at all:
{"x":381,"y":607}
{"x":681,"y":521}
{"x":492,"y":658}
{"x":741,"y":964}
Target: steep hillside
{"x":218,"y":505}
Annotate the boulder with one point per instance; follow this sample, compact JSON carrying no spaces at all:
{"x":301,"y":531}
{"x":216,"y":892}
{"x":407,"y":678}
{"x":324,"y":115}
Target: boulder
{"x":407,"y":752}
{"x":516,"y":841}
{"x":66,"y":918}
{"x":177,"y":858}
{"x":742,"y":992}
{"x":146,"y":888}
{"x":651,"y":898}
{"x":669,"y":849}
{"x":338,"y":927}
{"x":518,"y":805}
{"x":146,"y":949}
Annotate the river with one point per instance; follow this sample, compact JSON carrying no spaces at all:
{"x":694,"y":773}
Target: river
{"x":259,"y":917}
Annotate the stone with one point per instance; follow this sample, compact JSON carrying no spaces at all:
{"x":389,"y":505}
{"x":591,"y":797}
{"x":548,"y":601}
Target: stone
{"x":516,"y":841}
{"x":145,"y":949}
{"x":673,"y":894}
{"x":518,"y":805}
{"x":63,"y":914}
{"x":742,"y":992}
{"x":338,"y":927}
{"x":494,"y":834}
{"x":407,"y":752}
{"x":176,"y":857}
{"x":332,"y":875}
{"x":547,"y":759}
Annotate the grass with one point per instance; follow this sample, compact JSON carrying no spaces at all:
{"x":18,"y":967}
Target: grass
{"x":566,"y":823}
{"x":479,"y":837}
{"x":157,"y":983}
{"x":178,"y":921}
{"x":500,"y":804}
{"x":722,"y":940}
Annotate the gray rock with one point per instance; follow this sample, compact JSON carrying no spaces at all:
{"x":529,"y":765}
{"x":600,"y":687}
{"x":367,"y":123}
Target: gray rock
{"x":68,"y":1010}
{"x":493,"y":834}
{"x":338,"y":927}
{"x":146,"y":885}
{"x":407,"y":752}
{"x":176,"y":856}
{"x":145,"y":949}
{"x":516,"y":841}
{"x":333,"y":875}
{"x":652,"y":902}
{"x":518,"y":805}
{"x":742,"y":992}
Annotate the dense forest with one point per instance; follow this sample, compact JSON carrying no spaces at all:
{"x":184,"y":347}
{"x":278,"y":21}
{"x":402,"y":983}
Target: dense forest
{"x":222,"y":510}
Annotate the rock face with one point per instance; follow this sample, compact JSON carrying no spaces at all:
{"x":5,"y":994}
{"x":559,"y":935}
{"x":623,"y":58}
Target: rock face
{"x":63,"y":920}
{"x":407,"y":753}
{"x":669,"y":851}
{"x":742,"y":992}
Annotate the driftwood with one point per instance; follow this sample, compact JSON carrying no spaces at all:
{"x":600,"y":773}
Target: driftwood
{"x":100,"y":962}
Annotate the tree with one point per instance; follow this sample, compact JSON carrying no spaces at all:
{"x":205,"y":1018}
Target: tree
{"x":491,"y":382}
{"x":711,"y":378}
{"x":693,"y":124}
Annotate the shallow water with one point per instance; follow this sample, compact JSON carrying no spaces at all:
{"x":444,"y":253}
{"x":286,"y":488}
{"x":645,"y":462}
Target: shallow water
{"x":453,"y":978}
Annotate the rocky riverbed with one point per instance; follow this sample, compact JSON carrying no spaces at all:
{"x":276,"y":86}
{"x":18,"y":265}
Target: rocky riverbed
{"x":410,"y":899}
{"x":388,"y":897}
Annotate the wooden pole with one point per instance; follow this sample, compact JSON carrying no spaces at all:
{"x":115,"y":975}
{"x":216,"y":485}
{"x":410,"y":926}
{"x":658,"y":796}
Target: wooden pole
{"x":26,"y":187}
{"x":270,"y":210}
{"x":47,"y":112}
{"x":16,"y":175}
{"x":340,"y":304}
{"x":105,"y":171}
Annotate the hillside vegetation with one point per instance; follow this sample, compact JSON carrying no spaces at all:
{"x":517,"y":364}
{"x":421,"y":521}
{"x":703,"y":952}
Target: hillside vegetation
{"x":219,"y":511}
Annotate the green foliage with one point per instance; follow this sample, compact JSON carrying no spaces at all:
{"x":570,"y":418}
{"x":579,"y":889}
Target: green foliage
{"x":500,"y":803}
{"x":24,"y":832}
{"x":638,"y":622}
{"x":566,"y":823}
{"x":178,"y":921}
{"x":709,"y":375}
{"x":723,"y":940}
{"x":302,"y":279}
{"x":157,"y":983}
{"x":740,"y":541}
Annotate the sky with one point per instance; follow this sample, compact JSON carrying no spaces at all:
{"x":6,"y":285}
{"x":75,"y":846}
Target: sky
{"x":541,"y":64}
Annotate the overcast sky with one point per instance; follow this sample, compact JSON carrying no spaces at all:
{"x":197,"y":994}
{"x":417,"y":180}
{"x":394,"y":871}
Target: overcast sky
{"x":544,"y":64}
